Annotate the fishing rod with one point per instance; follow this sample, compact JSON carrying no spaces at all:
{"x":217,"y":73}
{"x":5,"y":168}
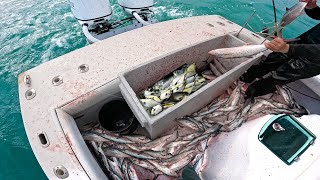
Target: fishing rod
{"x":275,"y":18}
{"x":275,"y":23}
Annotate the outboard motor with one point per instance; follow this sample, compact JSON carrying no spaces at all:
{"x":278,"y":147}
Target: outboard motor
{"x":140,"y":9}
{"x":93,"y":15}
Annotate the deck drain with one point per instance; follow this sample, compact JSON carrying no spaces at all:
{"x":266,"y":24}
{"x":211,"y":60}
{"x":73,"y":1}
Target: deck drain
{"x":61,"y":172}
{"x":56,"y":81}
{"x":30,"y":94}
{"x":43,"y":139}
{"x":83,"y":68}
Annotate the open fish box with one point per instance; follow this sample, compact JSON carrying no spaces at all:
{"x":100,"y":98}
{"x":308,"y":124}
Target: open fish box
{"x":145,"y":75}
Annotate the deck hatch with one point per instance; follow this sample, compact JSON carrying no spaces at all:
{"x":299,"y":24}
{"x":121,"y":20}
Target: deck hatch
{"x":286,"y":137}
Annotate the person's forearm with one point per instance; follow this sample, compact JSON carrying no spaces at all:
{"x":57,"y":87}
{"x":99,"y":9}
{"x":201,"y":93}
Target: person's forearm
{"x":314,"y":13}
{"x":308,"y":51}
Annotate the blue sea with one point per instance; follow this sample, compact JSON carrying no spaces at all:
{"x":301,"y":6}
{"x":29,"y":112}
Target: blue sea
{"x":35,"y":31}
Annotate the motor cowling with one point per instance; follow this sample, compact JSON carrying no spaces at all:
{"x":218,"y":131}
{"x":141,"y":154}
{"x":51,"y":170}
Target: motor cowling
{"x":87,"y":10}
{"x":136,"y":4}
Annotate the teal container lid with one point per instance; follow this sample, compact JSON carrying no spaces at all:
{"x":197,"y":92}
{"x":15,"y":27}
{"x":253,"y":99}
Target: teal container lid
{"x":286,"y":137}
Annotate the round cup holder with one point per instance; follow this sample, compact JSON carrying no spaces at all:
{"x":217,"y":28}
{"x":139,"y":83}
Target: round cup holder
{"x":116,"y":116}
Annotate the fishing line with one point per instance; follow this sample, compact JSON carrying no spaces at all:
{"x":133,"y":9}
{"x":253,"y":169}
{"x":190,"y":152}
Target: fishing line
{"x":269,"y":35}
{"x":260,"y":32}
{"x":268,"y":28}
{"x":303,"y":93}
{"x":274,"y":27}
{"x":251,"y":28}
{"x":262,"y":20}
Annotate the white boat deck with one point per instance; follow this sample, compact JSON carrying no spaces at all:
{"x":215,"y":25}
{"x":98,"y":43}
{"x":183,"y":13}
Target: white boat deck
{"x":105,"y":59}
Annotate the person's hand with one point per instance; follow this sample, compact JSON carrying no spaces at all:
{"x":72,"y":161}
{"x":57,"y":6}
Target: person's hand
{"x":311,"y":3}
{"x":277,"y":45}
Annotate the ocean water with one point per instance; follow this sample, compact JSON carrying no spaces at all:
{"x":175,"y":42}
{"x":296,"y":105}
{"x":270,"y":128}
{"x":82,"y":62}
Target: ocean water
{"x":35,"y":31}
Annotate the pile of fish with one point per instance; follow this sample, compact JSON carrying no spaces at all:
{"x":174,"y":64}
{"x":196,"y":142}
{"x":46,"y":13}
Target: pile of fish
{"x":138,"y":157}
{"x":171,"y":90}
{"x":215,"y":70}
{"x":229,"y":110}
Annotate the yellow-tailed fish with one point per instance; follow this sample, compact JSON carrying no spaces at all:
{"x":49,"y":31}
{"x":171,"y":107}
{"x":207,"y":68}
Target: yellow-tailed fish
{"x":167,"y":83}
{"x":199,"y":80}
{"x":156,"y":110}
{"x":191,"y":68}
{"x":178,"y":72}
{"x":190,"y":79}
{"x":177,"y":80}
{"x":190,"y":74}
{"x":168,"y":104}
{"x":189,"y":85}
{"x":155,"y":98}
{"x":148,"y":103}
{"x":178,"y":96}
{"x":147,"y":93}
{"x":156,"y":88}
{"x":178,"y":88}
{"x":188,"y":90}
{"x":165,"y":94}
